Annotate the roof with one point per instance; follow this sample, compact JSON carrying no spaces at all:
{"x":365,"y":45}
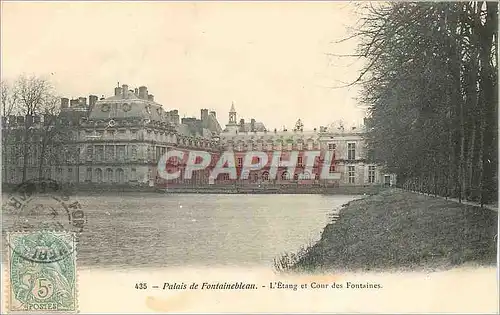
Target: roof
{"x":128,"y":106}
{"x":270,"y":136}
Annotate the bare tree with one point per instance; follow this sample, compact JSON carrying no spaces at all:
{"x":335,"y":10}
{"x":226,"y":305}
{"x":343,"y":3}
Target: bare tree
{"x":10,"y":105}
{"x":30,"y":97}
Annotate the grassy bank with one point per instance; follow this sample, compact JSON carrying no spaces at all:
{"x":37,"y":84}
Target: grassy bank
{"x":401,"y":230}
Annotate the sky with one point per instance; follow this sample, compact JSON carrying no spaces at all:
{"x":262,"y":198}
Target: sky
{"x":272,"y":59}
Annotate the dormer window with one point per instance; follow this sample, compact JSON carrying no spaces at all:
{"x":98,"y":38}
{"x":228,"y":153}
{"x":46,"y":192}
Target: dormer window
{"x":105,"y":107}
{"x":126,"y":107}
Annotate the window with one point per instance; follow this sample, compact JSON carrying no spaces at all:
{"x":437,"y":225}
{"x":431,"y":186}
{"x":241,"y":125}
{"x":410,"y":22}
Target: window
{"x":331,"y":146}
{"x":255,"y":177}
{"x":98,"y":175}
{"x":120,"y":152}
{"x":285,"y":175}
{"x":269,"y":146}
{"x":306,"y":175}
{"x":90,"y":152}
{"x":245,"y":174}
{"x":120,"y":176}
{"x":133,"y":174}
{"x":109,"y":175}
{"x":70,"y":174}
{"x":265,"y":175}
{"x":351,"y":174}
{"x":332,"y":168}
{"x":88,"y":178}
{"x":299,"y":161}
{"x":351,"y":151}
{"x":110,"y":152}
{"x":309,"y":145}
{"x":300,"y":146}
{"x":240,"y":162}
{"x":134,"y":152}
{"x":289,"y":146}
{"x":99,"y":152}
{"x":371,"y":174}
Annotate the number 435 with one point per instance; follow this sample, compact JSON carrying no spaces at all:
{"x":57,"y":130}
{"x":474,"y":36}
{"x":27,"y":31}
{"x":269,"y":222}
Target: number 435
{"x":141,"y":286}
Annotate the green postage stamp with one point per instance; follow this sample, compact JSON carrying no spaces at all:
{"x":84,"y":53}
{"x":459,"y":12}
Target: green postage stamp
{"x":42,"y":272}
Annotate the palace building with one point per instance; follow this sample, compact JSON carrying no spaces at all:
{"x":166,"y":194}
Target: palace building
{"x":114,"y":140}
{"x":119,"y":140}
{"x":349,"y":167}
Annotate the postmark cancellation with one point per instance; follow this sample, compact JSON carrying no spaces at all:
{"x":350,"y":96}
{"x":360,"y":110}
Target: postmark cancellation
{"x":41,"y":275}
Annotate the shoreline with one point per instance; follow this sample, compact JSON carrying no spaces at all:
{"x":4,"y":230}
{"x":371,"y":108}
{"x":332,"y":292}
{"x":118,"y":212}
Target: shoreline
{"x":219,"y":189}
{"x":398,"y":231}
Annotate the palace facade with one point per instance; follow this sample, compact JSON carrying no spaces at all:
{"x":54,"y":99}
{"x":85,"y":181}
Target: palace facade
{"x":119,"y":140}
{"x":349,"y":165}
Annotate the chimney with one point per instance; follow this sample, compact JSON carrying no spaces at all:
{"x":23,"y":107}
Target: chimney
{"x":136,"y":91}
{"x":151,"y":97}
{"x":64,"y":102}
{"x":213,"y":114}
{"x":73,"y":103}
{"x":252,"y":124}
{"x":124,"y":90}
{"x":204,"y":114}
{"x":143,"y":92}
{"x":92,"y":100}
{"x":82,"y":101}
{"x":118,"y":91}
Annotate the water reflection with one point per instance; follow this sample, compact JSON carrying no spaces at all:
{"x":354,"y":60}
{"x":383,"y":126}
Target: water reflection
{"x":154,"y":230}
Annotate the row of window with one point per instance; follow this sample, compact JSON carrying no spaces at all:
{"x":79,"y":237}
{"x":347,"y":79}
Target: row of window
{"x":109,"y":175}
{"x":239,"y":163}
{"x":271,"y":146}
{"x":351,"y":174}
{"x":169,"y":138}
{"x":351,"y":148}
{"x":265,"y":176}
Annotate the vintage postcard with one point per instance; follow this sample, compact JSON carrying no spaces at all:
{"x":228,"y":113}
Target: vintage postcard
{"x":249,"y":157}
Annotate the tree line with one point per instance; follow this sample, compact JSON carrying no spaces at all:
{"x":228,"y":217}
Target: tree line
{"x":430,"y":81}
